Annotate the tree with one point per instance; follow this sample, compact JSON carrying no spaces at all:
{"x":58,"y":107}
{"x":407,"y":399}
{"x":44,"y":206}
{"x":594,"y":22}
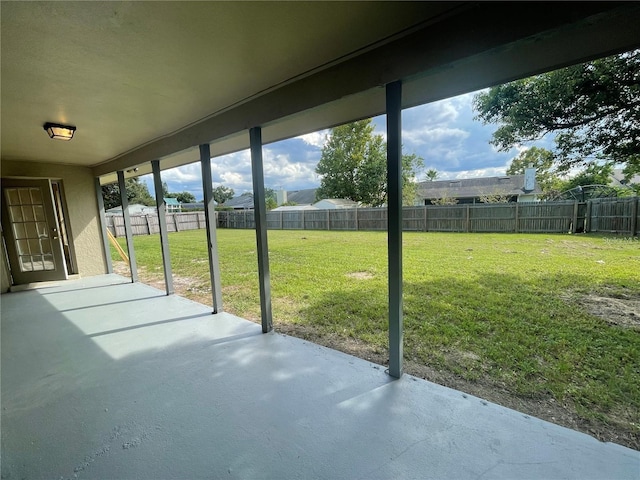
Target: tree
{"x":542,"y":160}
{"x":221,"y":194}
{"x":353,"y":166}
{"x":432,"y":174}
{"x":184,"y":197}
{"x":137,"y":192}
{"x":593,"y":108}
{"x":594,"y":174}
{"x":270,"y":198}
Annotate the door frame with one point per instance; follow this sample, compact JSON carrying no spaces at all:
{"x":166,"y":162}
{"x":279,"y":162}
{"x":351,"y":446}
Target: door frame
{"x":19,"y":277}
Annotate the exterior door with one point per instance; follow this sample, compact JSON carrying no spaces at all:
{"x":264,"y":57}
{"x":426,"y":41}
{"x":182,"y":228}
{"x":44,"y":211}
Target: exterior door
{"x":30,"y":228}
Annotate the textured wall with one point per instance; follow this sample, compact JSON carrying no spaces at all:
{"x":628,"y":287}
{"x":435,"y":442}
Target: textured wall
{"x":79,"y":191}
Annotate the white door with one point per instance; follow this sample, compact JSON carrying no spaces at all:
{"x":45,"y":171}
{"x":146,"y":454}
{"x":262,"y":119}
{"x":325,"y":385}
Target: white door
{"x":30,"y":228}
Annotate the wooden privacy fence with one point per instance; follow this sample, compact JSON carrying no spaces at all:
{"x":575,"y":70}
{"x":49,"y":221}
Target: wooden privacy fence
{"x":148,"y":224}
{"x":617,"y":215}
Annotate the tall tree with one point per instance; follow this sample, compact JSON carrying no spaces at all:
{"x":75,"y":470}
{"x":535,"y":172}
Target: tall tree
{"x":593,"y":108}
{"x":184,"y":197}
{"x":353,"y":166}
{"x":221,"y":194}
{"x":137,"y":192}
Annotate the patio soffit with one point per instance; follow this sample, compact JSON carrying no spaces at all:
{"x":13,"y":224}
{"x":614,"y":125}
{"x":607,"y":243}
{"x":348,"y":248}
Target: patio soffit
{"x":152,"y":80}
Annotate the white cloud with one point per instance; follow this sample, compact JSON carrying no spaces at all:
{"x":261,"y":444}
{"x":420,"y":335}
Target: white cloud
{"x":477,"y":173}
{"x":315,"y":139}
{"x":428,"y":136}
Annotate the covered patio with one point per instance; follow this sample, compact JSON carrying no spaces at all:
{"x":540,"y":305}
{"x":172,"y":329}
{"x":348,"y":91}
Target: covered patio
{"x":102,"y":378}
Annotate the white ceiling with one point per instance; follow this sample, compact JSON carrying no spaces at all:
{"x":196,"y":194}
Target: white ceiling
{"x":126,"y":73}
{"x":152,"y":80}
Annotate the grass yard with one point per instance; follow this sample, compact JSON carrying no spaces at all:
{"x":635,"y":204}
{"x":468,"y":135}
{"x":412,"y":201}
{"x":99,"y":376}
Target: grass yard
{"x":546,"y":324}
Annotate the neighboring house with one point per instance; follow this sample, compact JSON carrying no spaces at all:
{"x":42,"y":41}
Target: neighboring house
{"x":335,"y":203}
{"x":300,"y":197}
{"x":472,"y":190}
{"x":134,"y":209}
{"x":243,"y":202}
{"x":618,"y":179}
{"x":293,"y":208}
{"x":172,"y":204}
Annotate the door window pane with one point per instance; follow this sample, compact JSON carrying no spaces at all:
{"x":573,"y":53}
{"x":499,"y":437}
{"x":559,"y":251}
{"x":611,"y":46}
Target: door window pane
{"x":34,"y":246}
{"x":23,"y":247}
{"x":25,"y":263}
{"x":31,"y":230}
{"x":28,"y":214}
{"x":38,"y":211}
{"x":45,"y":246}
{"x":48,"y":262}
{"x":25,"y":197}
{"x":16,"y":214}
{"x":12,"y":196}
{"x":41,"y":228}
{"x":36,"y":196}
{"x":19,"y":231}
{"x":38,"y":264}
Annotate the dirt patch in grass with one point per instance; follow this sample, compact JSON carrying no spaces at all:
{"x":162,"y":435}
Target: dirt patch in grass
{"x":360,"y":275}
{"x":621,"y":310}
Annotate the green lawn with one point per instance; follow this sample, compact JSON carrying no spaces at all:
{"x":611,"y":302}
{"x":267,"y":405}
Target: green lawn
{"x":504,"y":309}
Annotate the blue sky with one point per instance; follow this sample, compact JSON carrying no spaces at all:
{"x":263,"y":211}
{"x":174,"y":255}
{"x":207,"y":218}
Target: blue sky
{"x":443,"y":133}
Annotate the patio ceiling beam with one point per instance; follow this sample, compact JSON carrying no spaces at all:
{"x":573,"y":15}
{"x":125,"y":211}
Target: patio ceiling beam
{"x":260,"y":215}
{"x":103,"y":226}
{"x":210,"y":222}
{"x":162,"y":223}
{"x":128,"y":232}
{"x":394,"y":225}
{"x":538,"y":34}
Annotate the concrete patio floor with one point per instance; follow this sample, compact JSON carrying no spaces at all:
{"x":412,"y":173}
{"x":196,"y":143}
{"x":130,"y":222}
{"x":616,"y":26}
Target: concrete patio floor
{"x":106,"y":379}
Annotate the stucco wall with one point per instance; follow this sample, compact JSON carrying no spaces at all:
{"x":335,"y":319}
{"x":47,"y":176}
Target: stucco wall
{"x":79,"y":190}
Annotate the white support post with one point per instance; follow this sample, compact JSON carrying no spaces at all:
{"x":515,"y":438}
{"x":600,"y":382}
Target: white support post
{"x":260,"y":213}
{"x":128,"y":233}
{"x":210,"y":221}
{"x":162,"y":224}
{"x":394,"y":225}
{"x":103,"y":226}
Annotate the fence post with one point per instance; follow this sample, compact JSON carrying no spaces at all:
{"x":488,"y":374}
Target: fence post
{"x":574,"y":222}
{"x":244,"y":218}
{"x":356,"y":214}
{"x":175,"y":222}
{"x":425,"y":218}
{"x":146,"y":217}
{"x":328,"y":219}
{"x":281,"y":220}
{"x":587,"y":218}
{"x":517,"y":218}
{"x":634,"y":216}
{"x":468,"y":223}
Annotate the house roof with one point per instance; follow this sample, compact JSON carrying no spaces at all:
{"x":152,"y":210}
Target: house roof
{"x":154,"y":80}
{"x":171,"y":201}
{"x":475,"y":187}
{"x":302,"y":197}
{"x":293,"y":208}
{"x":619,"y":179}
{"x":339,"y":202}
{"x":243,"y":201}
{"x":134,"y":208}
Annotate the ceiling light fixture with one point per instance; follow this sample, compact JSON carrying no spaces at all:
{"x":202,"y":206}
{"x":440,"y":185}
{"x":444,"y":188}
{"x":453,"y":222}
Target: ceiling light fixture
{"x":60,"y":132}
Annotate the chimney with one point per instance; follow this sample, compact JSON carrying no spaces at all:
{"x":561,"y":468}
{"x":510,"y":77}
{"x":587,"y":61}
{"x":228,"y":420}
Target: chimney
{"x":529,"y":178}
{"x":281,"y":197}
